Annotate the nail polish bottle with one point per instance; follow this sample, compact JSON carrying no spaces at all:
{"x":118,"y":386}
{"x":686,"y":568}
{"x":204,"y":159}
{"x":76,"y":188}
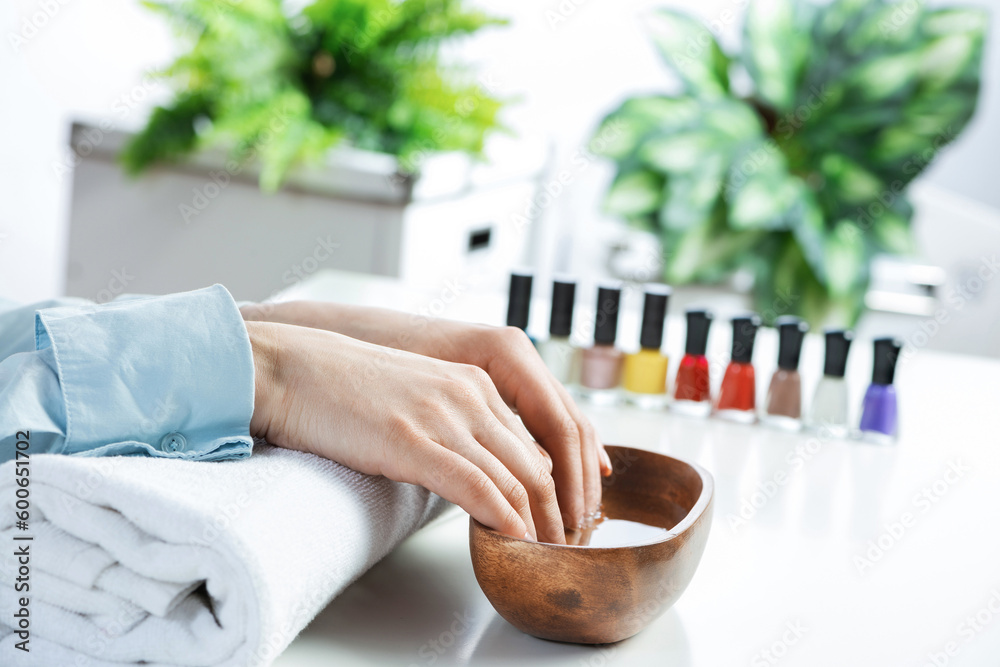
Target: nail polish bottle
{"x":601,"y":368}
{"x":692,"y":392}
{"x":784,"y":394}
{"x":738,"y":393}
{"x":645,"y":379}
{"x":562,"y":359}
{"x":879,"y":410}
{"x":828,"y":412}
{"x":519,"y":303}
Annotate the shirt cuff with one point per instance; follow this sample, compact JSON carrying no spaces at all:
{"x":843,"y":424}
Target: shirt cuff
{"x":168,"y":376}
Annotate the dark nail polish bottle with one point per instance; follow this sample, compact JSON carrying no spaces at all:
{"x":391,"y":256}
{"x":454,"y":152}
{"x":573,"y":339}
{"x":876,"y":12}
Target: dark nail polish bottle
{"x":692,"y":391}
{"x":601,"y":370}
{"x":879,"y":412}
{"x":738,"y":393}
{"x":828,"y":412}
{"x":519,"y":303}
{"x":784,"y":394}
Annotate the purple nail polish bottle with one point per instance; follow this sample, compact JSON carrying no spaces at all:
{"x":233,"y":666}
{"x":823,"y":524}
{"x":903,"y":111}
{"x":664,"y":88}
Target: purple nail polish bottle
{"x":879,"y":422}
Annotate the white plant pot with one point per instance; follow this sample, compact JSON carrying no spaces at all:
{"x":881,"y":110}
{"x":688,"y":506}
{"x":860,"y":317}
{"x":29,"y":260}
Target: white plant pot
{"x":205,"y":221}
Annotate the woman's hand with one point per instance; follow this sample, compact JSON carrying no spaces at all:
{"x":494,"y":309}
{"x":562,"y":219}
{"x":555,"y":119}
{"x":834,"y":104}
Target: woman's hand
{"x":506,"y":354}
{"x":409,"y":417}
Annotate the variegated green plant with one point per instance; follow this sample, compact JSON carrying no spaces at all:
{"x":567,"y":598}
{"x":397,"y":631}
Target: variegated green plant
{"x":801,"y":178}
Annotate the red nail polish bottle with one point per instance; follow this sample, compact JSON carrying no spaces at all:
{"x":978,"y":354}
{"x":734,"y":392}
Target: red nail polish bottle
{"x":738,"y":394}
{"x":692,"y":393}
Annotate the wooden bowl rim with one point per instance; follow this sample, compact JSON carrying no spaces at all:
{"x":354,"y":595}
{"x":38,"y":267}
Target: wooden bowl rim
{"x":700,"y":505}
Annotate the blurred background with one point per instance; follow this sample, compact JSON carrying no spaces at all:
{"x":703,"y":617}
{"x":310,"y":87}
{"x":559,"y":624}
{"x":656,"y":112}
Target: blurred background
{"x":776,"y":177}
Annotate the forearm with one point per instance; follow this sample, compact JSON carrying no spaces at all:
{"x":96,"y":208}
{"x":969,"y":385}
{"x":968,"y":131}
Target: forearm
{"x":389,"y":328}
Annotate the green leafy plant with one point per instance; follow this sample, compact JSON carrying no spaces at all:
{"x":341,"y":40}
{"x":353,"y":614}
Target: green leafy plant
{"x":801,"y":178}
{"x":284,"y":86}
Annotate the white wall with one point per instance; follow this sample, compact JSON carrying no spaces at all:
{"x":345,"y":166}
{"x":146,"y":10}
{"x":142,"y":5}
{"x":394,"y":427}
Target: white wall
{"x":85,"y":58}
{"x":79,"y":58}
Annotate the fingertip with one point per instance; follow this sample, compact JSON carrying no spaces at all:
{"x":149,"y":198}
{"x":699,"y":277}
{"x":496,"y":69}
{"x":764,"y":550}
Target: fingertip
{"x":558,"y":538}
{"x":573,"y":520}
{"x":606,"y":468}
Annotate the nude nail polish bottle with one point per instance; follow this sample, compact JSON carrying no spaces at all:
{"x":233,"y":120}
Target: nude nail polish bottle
{"x":692,"y":391}
{"x":879,"y":412}
{"x":784,"y":394}
{"x":738,"y":393}
{"x":601,"y":368}
{"x":645,"y":375}
{"x":561,"y":358}
{"x":828,"y":411}
{"x":519,"y":302}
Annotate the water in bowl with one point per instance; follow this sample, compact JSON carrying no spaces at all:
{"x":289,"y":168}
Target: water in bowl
{"x":601,"y":530}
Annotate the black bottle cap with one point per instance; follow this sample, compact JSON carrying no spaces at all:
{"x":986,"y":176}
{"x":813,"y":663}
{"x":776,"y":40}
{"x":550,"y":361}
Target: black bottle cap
{"x":606,"y":319}
{"x":886,"y":354}
{"x":791,"y":333}
{"x":744,"y":333}
{"x":520,"y":300}
{"x":654,"y":312}
{"x":563,"y":298}
{"x":838,"y":344}
{"x":697,"y":336}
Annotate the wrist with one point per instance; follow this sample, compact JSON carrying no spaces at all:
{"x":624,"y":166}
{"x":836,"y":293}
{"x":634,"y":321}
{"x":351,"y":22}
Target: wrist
{"x":264,"y":345}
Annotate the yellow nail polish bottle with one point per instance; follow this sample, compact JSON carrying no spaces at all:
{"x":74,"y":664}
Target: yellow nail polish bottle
{"x":645,"y":380}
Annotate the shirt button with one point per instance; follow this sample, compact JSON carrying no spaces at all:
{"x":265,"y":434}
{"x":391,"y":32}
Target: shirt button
{"x":173,"y":442}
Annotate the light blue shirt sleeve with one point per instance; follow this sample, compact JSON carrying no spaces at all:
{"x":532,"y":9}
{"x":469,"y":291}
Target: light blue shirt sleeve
{"x":169,"y":376}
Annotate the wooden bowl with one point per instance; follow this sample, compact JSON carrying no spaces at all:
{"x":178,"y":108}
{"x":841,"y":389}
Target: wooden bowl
{"x":594,"y":595}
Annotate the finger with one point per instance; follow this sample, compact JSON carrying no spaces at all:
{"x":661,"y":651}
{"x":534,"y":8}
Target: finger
{"x":481,"y":455}
{"x":524,"y":462}
{"x":456,"y":479}
{"x":547,"y":419}
{"x":595,"y":459}
{"x":523,"y":382}
{"x":545,"y":455}
{"x":506,"y":416}
{"x":507,"y":438}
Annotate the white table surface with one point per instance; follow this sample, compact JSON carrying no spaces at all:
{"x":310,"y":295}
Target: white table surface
{"x":787,"y":581}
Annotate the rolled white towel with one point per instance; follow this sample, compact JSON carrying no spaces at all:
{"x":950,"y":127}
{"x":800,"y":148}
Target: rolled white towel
{"x":168,"y":562}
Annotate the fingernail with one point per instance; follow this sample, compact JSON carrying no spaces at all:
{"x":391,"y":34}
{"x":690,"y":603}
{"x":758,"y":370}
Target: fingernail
{"x":605,"y":462}
{"x":529,"y":538}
